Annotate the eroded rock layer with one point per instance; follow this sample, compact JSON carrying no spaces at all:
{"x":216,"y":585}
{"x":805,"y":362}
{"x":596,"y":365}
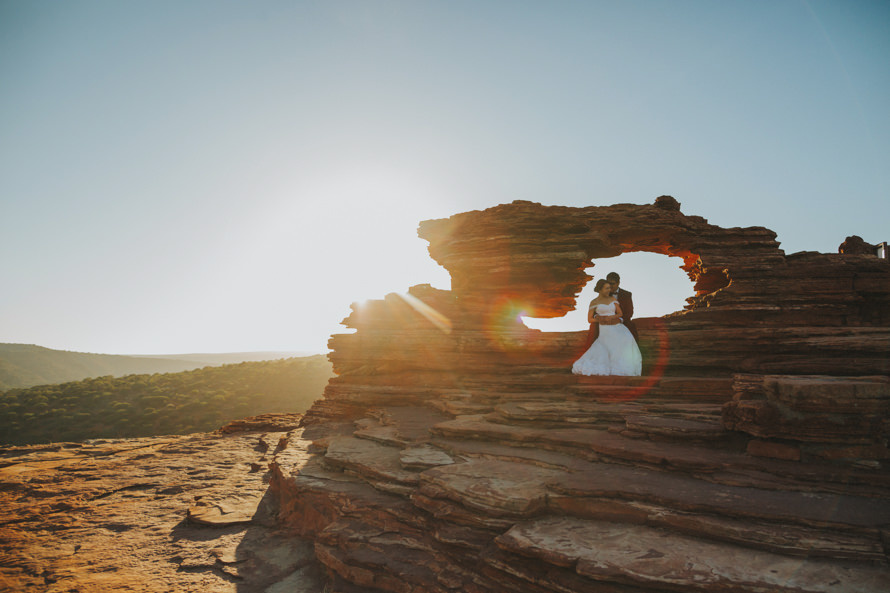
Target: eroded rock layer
{"x":455,"y":451}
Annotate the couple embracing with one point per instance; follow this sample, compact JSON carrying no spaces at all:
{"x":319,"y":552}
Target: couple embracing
{"x":614,"y":350}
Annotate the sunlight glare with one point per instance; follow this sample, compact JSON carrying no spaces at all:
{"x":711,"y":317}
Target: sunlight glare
{"x":432,"y":315}
{"x":299,"y":256}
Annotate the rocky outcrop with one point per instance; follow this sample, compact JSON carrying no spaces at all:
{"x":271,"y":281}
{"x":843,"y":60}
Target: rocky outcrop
{"x":455,"y":451}
{"x":856,"y":246}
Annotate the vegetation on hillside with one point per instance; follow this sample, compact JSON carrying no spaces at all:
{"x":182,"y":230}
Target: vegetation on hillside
{"x":27,"y":365}
{"x":172,"y":403}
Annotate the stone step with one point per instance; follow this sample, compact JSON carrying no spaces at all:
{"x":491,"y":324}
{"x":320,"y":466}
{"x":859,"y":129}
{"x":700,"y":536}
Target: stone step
{"x":466,"y":449}
{"x":372,"y":430}
{"x":606,"y":388}
{"x":423,"y":457}
{"x":375,"y":558}
{"x":515,"y":381}
{"x":689,"y":494}
{"x":568,"y":408}
{"x":398,"y":426}
{"x":395,"y":556}
{"x":685,"y":389}
{"x":657,"y":559}
{"x":545,"y":414}
{"x":493,"y":487}
{"x":462,"y":407}
{"x":573,"y":413}
{"x":588,"y":443}
{"x":378,"y":464}
{"x":678,"y":428}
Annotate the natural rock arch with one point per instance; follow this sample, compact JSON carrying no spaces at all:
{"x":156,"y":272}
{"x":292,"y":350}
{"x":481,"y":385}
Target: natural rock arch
{"x":538,"y":254}
{"x":659,"y":284}
{"x":755,"y":309}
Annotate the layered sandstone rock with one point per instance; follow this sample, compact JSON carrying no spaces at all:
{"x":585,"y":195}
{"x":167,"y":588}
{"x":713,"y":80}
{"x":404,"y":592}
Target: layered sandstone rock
{"x":456,"y":452}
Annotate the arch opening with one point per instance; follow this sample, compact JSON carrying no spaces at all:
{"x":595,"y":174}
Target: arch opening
{"x":659,"y":285}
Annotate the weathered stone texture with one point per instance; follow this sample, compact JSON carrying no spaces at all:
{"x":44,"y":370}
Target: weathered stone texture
{"x":188,"y":514}
{"x":455,"y":451}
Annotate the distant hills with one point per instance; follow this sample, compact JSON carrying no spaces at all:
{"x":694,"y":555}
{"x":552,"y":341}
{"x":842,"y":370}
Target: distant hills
{"x":140,"y":405}
{"x":26,"y":365}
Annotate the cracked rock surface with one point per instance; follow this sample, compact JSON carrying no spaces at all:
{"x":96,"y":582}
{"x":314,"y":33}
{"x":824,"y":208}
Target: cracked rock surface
{"x":178,"y":513}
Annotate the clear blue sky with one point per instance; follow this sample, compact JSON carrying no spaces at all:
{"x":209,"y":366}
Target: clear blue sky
{"x":198,"y":176}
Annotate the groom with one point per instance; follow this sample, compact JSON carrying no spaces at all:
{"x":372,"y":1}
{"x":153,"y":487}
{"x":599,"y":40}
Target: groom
{"x":625,"y":301}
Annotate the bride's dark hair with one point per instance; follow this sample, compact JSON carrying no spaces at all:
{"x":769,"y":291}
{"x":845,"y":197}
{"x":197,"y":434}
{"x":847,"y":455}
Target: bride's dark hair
{"x":599,"y":284}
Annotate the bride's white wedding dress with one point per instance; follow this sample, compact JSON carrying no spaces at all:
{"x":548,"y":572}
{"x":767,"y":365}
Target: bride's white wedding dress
{"x":615,"y":352}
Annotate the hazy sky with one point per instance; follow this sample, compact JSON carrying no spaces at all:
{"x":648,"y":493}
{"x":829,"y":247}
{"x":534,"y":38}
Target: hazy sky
{"x":202,"y":176}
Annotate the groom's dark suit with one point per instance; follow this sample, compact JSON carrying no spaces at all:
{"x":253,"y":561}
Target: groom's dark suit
{"x":626,"y":302}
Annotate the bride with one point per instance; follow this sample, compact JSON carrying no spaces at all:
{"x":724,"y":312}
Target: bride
{"x":615,"y":352}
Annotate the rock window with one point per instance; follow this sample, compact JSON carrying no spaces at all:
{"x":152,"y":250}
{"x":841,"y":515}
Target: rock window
{"x":658,"y":285}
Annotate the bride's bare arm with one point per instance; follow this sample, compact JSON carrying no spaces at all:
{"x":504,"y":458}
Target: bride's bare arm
{"x":607,"y":319}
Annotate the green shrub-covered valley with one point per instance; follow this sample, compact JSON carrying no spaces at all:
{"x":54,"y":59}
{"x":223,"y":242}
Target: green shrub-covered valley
{"x":170,"y":403}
